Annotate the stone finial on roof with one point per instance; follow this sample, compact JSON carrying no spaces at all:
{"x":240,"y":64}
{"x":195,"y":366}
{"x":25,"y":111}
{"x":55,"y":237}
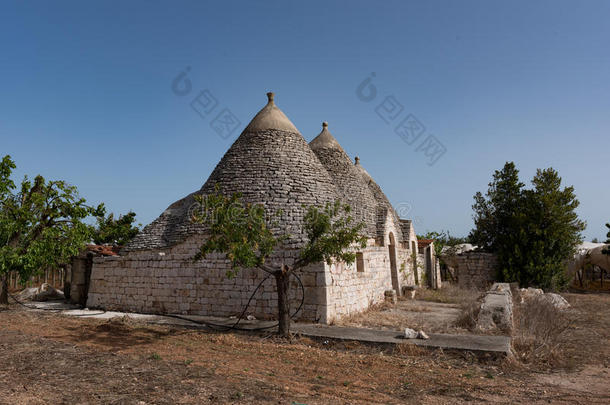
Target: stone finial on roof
{"x":271,"y":117}
{"x":367,"y":177}
{"x":324,"y":140}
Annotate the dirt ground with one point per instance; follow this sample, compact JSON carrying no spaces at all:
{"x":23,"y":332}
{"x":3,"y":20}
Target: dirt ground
{"x":47,"y":358}
{"x":433,"y":311}
{"x":431,"y":317}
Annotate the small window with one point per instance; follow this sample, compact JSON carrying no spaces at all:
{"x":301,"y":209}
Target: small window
{"x":359,"y":262}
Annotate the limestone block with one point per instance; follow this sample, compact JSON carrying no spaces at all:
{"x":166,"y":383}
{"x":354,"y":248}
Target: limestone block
{"x":557,"y":300}
{"x":496,"y":311}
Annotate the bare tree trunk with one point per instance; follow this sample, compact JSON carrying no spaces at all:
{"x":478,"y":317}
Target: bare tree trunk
{"x":282,"y":279}
{"x":4,"y":290}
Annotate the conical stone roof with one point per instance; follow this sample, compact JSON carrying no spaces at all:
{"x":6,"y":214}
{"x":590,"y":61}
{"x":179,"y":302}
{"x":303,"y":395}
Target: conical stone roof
{"x":384,"y":207}
{"x":269,"y":163}
{"x":347,"y":178}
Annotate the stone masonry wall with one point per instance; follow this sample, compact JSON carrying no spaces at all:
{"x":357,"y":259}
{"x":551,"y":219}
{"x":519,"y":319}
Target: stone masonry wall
{"x":168,"y":281}
{"x":476,"y":270}
{"x":350,"y":291}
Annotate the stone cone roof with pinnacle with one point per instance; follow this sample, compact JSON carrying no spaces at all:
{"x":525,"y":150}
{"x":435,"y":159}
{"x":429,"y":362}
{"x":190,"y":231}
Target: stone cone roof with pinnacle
{"x":384,"y":207}
{"x":269,"y":163}
{"x":347,"y":178}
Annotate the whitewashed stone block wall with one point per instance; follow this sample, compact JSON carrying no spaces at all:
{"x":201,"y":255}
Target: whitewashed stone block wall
{"x":169,"y":281}
{"x":350,"y":291}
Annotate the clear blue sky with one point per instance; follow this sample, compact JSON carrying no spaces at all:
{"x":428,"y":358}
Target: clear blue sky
{"x":86,"y":93}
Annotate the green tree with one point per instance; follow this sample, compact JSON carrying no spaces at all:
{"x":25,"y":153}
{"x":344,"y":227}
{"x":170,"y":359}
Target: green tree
{"x":533,"y":232}
{"x":496,"y":214}
{"x":41,"y":224}
{"x":552,"y":231}
{"x":442,"y":239}
{"x":111,"y":231}
{"x":243,"y":233}
{"x":498,"y":218}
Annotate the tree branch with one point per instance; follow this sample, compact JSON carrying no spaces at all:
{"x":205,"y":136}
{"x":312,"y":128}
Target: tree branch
{"x":267,"y":269}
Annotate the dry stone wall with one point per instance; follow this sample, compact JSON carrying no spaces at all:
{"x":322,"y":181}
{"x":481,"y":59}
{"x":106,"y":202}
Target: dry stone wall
{"x":350,"y":183}
{"x":169,"y":281}
{"x":476,"y":270}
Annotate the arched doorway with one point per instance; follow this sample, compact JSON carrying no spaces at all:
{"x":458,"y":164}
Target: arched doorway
{"x":393,"y":267}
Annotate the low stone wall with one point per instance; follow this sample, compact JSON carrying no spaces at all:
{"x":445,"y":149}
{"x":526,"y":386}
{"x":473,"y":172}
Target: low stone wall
{"x":169,"y":281}
{"x":475,"y":270}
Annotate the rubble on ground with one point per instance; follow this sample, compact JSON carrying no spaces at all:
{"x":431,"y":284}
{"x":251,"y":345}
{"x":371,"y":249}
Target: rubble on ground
{"x":413,"y":334}
{"x":43,"y":293}
{"x":527,"y":293}
{"x":555,"y":299}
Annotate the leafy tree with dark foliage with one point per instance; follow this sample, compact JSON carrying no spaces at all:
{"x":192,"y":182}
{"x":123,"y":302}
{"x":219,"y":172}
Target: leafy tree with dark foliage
{"x":553,"y":231}
{"x":533,"y":231}
{"x":243,"y":233}
{"x":111,"y":231}
{"x":41,"y":224}
{"x":498,"y":217}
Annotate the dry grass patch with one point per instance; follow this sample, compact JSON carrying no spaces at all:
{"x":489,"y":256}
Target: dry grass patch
{"x":469,"y":301}
{"x":379,"y":315}
{"x":447,"y":294}
{"x":432,"y":316}
{"x":538,"y":331}
{"x":469,"y":313}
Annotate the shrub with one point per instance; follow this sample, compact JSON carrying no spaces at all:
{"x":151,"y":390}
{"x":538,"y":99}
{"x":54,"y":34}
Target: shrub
{"x":539,"y":326}
{"x":469,"y":313}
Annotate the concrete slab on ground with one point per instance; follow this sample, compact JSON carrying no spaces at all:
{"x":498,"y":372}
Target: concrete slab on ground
{"x":474,"y":343}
